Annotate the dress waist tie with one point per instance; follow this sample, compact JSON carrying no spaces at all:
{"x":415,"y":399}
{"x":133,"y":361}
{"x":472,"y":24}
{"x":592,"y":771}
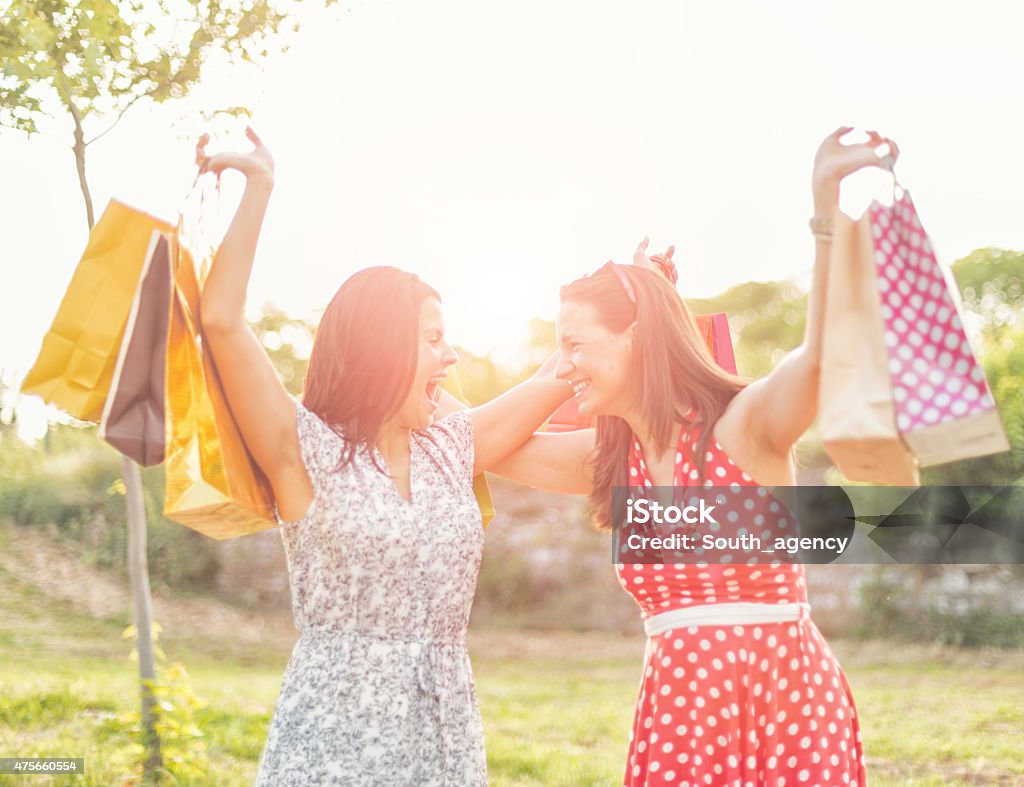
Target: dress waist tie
{"x":733,"y":613}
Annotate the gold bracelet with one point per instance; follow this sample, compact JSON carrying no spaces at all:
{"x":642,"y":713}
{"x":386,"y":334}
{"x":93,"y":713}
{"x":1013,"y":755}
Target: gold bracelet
{"x":821,"y":227}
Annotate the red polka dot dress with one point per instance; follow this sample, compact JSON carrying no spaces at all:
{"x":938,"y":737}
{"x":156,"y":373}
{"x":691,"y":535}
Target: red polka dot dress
{"x":737,"y":705}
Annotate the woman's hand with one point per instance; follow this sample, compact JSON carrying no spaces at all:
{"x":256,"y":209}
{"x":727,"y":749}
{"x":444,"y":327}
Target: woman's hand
{"x":662,"y":263}
{"x":834,"y":161}
{"x":550,"y":366}
{"x":258,"y":164}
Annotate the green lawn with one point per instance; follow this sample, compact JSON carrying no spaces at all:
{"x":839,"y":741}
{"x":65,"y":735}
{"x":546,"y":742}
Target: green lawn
{"x":556,"y":705}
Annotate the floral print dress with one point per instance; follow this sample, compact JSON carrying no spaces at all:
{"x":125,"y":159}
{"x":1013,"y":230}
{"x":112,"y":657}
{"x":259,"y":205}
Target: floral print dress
{"x":379,"y":690}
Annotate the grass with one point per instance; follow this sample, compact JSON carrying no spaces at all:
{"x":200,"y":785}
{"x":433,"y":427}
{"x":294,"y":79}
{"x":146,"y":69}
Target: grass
{"x":556,"y":705}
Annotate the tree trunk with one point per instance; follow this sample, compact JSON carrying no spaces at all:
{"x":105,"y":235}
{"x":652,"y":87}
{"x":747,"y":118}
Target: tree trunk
{"x":138,"y":565}
{"x":79,"y":150}
{"x":138,"y":571}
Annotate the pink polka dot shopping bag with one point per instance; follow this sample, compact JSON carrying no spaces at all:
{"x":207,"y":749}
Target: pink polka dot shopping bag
{"x":900,"y":385}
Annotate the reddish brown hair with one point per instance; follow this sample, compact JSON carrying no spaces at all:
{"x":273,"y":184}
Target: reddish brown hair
{"x":365,"y":353}
{"x":670,"y":362}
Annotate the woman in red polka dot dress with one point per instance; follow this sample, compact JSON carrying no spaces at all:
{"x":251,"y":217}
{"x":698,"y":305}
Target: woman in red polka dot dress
{"x":741,"y":703}
{"x":738,"y":687}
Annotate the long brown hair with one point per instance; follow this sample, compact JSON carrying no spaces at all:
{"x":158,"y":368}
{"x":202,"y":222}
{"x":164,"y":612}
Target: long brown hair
{"x":670,"y":362}
{"x":364,"y":356}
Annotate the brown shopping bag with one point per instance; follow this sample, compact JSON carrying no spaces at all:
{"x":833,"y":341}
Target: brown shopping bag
{"x":213,"y":485}
{"x":133,"y":418}
{"x":856,"y":409}
{"x":79,"y":354}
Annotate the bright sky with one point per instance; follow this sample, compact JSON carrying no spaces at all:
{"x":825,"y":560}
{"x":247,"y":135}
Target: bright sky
{"x":502,"y":149}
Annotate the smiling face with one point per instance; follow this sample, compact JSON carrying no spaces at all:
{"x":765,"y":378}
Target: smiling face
{"x":434,"y":358}
{"x":595,"y":360}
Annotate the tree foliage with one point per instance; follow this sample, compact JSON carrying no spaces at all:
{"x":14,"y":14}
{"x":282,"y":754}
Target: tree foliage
{"x":766,"y":319}
{"x":287,"y":340}
{"x":96,"y":58}
{"x":991,"y":282}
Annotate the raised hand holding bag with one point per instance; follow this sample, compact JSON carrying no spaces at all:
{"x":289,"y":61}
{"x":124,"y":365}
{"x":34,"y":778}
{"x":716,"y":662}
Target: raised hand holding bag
{"x":213,"y":484}
{"x":900,"y":385}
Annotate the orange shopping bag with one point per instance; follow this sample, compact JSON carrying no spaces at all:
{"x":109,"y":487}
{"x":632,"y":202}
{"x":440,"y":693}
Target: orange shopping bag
{"x":213,"y":484}
{"x":480,"y":488}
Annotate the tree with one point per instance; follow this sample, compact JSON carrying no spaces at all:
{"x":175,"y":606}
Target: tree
{"x":288,"y":341}
{"x":8,"y":416}
{"x":990,"y":281}
{"x":91,"y":61}
{"x":95,"y":59}
{"x":767,"y":319}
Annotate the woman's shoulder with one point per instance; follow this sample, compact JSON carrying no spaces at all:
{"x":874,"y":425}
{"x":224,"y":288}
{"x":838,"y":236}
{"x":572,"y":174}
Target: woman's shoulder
{"x":325,"y":448}
{"x":313,"y":429}
{"x":732,"y":437}
{"x":452,"y":438}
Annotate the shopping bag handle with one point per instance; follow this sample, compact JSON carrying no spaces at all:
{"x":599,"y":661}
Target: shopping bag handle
{"x":190,"y":215}
{"x":889,"y":162}
{"x":198,"y":187}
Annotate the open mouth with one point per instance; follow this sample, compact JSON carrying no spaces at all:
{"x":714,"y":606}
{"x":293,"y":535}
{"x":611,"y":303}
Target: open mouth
{"x":579,"y":387}
{"x":433,"y":391}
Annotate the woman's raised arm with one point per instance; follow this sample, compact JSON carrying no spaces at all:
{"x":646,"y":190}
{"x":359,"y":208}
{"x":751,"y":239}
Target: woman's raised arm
{"x":789,"y":395}
{"x":505,"y":442}
{"x":559,"y":462}
{"x":259,"y":402}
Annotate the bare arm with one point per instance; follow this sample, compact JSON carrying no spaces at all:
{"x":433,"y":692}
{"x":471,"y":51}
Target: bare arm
{"x":259,"y":402}
{"x":505,"y":423}
{"x":789,"y":395}
{"x":555,"y":462}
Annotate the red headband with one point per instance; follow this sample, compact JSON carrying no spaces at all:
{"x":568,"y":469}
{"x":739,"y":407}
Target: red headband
{"x":620,"y":274}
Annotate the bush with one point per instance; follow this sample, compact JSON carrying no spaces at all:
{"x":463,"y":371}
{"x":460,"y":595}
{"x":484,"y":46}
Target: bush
{"x":963,"y":606}
{"x":72,"y":484}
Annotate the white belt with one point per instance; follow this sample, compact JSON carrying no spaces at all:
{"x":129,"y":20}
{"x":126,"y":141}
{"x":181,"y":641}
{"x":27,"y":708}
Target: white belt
{"x":737,"y":613}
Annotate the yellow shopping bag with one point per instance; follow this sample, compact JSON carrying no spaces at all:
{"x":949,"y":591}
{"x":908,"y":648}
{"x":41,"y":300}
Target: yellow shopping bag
{"x":480,"y":487}
{"x":76,"y":364}
{"x":213,"y":485}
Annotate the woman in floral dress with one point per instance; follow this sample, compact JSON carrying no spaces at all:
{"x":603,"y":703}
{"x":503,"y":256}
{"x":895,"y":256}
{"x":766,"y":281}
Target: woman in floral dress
{"x":738,"y":687}
{"x":375,"y":502}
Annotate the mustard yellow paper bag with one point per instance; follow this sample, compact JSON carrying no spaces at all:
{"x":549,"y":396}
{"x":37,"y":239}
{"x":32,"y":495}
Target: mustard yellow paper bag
{"x":76,"y":363}
{"x":480,"y":487}
{"x":213,"y":485}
